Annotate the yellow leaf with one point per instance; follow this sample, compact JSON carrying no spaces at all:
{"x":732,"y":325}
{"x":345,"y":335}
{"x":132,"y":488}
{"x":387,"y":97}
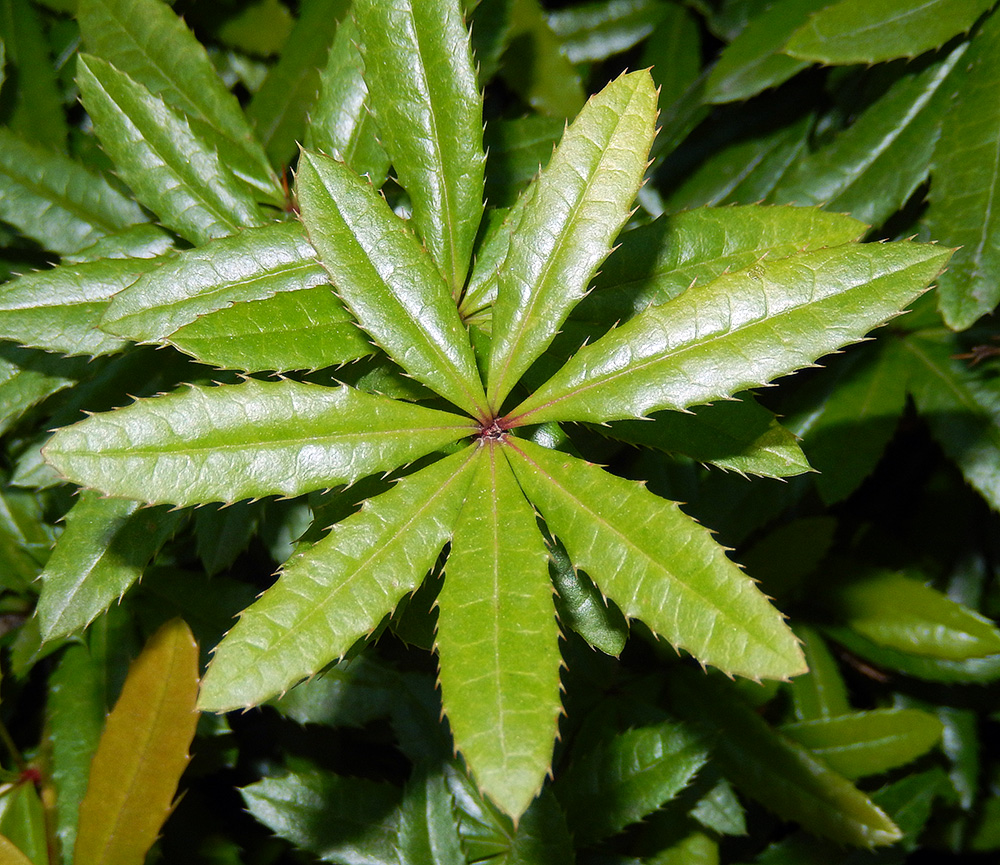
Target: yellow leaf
{"x":142,"y":752}
{"x":10,"y":854}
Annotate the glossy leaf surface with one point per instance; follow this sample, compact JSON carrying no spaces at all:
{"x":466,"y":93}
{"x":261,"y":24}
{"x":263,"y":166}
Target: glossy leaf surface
{"x":902,"y":613}
{"x":148,"y":42}
{"x":102,"y":551}
{"x":658,"y":565}
{"x":142,"y":752}
{"x":338,"y":818}
{"x":569,"y":224}
{"x":252,"y":265}
{"x":628,"y":777}
{"x":336,"y":592}
{"x":387,"y":280}
{"x":497,"y":638}
{"x":170,"y":167}
{"x":741,"y":330}
{"x":418,"y":67}
{"x":248,"y":440}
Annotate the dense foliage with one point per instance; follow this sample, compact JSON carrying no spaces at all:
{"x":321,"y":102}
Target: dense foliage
{"x":361,"y":323}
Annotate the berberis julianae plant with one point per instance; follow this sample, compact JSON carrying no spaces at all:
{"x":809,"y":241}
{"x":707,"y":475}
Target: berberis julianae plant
{"x":500,"y":345}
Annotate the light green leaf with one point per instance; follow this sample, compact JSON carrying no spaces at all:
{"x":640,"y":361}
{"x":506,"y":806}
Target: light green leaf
{"x":144,"y":240}
{"x":146,"y":40}
{"x":738,"y":435}
{"x":598,"y":30}
{"x":656,"y":262}
{"x":752,"y":63}
{"x":428,"y":828}
{"x":252,"y":265}
{"x":429,"y":110}
{"x":622,"y":780}
{"x":22,"y":825}
{"x":258,"y":438}
{"x":103,"y":550}
{"x":965,"y":186}
{"x":304,"y":329}
{"x":340,"y":124}
{"x":741,"y":330}
{"x":387,"y":280}
{"x":774,"y":770}
{"x":75,"y":714}
{"x":142,"y":752}
{"x":658,"y":565}
{"x":172,"y":170}
{"x":497,"y":639}
{"x":60,"y":309}
{"x":868,"y":743}
{"x":568,"y":226}
{"x":279,"y":110}
{"x":820,"y":693}
{"x":872,"y":168}
{"x":902,"y":613}
{"x":862,"y":31}
{"x":260,"y":28}
{"x":337,"y":591}
{"x":56,"y":201}
{"x":37,"y":112}
{"x":961,"y":409}
{"x":337,"y":818}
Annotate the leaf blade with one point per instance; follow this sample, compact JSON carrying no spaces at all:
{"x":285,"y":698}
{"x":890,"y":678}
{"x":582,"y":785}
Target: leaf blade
{"x":247,"y":440}
{"x":337,"y":591}
{"x":387,"y":280}
{"x":658,"y":565}
{"x":419,"y":71}
{"x":497,"y":639}
{"x":739,"y":331}
{"x":569,"y":224}
{"x":142,"y":752}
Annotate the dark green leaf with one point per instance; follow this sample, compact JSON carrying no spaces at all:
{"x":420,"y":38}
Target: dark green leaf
{"x":776,"y":771}
{"x":966,"y":177}
{"x":860,"y":31}
{"x":598,"y":30}
{"x":820,"y":693}
{"x":872,"y":168}
{"x":146,"y":41}
{"x":428,"y":831}
{"x":623,"y":780}
{"x":103,"y":550}
{"x":55,"y":201}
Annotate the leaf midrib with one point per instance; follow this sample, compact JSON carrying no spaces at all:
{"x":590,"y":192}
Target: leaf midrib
{"x":700,"y":343}
{"x":498,"y":394}
{"x":596,"y":518}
